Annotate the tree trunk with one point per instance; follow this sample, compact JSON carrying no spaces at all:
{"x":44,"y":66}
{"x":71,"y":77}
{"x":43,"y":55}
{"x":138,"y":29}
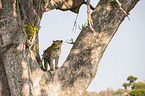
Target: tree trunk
{"x":21,"y":74}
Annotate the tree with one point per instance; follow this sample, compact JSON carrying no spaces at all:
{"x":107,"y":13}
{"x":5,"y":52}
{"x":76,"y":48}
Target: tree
{"x":131,"y":79}
{"x":20,"y":63}
{"x":139,"y":85}
{"x":138,"y":89}
{"x":125,"y":85}
{"x":121,"y":92}
{"x":137,"y":92}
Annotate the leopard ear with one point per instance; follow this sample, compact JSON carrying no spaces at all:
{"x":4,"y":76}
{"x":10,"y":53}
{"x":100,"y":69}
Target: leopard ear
{"x":61,"y":41}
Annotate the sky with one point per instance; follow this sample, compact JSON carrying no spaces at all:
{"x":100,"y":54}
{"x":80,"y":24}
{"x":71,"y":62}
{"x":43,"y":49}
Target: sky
{"x":124,"y":56}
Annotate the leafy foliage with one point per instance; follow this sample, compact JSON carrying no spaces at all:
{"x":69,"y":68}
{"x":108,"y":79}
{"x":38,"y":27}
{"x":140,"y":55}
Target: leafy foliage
{"x":131,"y":79}
{"x":137,"y":92}
{"x":125,"y":85}
{"x":31,"y":29}
{"x":138,"y":89}
{"x":139,"y":85}
{"x":32,"y":35}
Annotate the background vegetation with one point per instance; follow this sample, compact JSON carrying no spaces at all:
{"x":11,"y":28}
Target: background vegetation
{"x":130,"y":89}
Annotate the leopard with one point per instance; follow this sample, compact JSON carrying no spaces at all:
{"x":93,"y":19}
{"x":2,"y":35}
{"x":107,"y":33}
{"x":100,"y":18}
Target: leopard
{"x":52,"y":53}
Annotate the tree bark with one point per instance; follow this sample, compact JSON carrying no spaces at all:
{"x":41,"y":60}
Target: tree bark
{"x":4,"y":87}
{"x":21,"y":73}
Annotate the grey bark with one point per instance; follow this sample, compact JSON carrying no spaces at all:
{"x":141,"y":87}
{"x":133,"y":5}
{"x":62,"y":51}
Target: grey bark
{"x":20,"y":69}
{"x":4,"y":87}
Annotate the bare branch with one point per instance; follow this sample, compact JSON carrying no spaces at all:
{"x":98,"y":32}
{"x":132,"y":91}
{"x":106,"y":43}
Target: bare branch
{"x":89,"y":20}
{"x":75,"y":23}
{"x":119,"y":4}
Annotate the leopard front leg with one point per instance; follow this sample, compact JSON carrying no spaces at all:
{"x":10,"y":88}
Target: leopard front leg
{"x":56,"y":62}
{"x":51,"y":64}
{"x":45,"y":65}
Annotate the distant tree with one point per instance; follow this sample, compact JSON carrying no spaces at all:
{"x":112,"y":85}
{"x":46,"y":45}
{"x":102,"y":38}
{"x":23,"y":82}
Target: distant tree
{"x":139,"y":85}
{"x":120,"y":92}
{"x":86,"y":93}
{"x":138,"y":89}
{"x":137,"y":92}
{"x":108,"y":92}
{"x":125,"y":85}
{"x":131,"y":79}
{"x":103,"y":93}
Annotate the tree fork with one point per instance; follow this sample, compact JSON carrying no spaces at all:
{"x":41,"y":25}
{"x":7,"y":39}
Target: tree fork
{"x":23,"y":73}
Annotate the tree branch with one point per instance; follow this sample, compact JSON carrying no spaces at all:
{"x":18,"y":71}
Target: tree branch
{"x":64,"y":5}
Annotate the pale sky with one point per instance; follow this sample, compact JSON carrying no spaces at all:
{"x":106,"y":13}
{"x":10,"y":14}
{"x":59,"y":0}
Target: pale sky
{"x":124,"y":56}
